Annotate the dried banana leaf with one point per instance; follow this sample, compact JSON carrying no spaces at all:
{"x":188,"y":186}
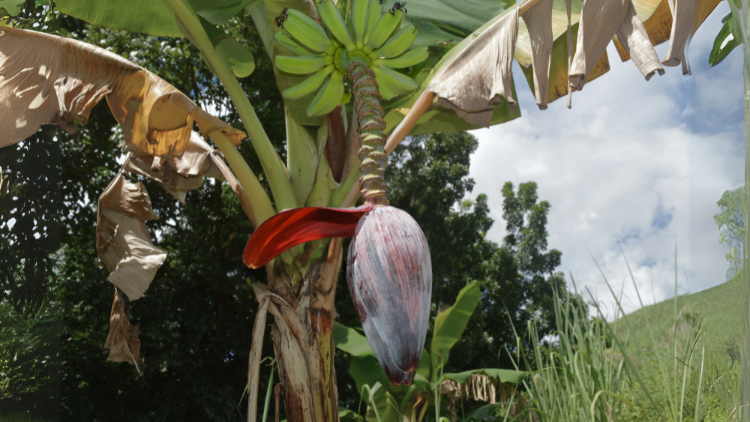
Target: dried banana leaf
{"x":539,"y":23}
{"x":123,"y":243}
{"x":479,"y":75}
{"x":601,"y":21}
{"x":45,"y":79}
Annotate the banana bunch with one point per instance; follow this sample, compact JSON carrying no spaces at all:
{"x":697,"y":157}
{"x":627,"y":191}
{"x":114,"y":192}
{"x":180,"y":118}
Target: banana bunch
{"x":324,"y":53}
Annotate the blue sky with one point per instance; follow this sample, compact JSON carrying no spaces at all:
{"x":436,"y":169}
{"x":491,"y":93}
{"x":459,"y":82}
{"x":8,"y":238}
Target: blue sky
{"x":636,"y":162}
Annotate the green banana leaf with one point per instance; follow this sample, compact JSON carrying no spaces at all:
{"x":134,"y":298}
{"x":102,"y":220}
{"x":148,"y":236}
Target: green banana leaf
{"x":727,"y":39}
{"x":153,"y":17}
{"x":239,"y":59}
{"x":350,"y":341}
{"x":450,"y":325}
{"x":364,"y":367}
{"x":346,"y":415}
{"x":146,"y":16}
{"x":10,"y":7}
{"x":508,"y":376}
{"x":218,"y":11}
{"x":156,"y":18}
{"x":460,"y":18}
{"x":484,"y":413}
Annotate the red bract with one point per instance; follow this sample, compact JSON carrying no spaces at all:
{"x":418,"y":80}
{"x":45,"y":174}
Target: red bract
{"x":296,"y":226}
{"x":389,"y":273}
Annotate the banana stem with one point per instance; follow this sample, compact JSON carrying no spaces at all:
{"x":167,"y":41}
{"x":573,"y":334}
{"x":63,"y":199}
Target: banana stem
{"x":262,"y":207}
{"x":273,"y":167}
{"x":421,"y":105}
{"x":370,"y":129}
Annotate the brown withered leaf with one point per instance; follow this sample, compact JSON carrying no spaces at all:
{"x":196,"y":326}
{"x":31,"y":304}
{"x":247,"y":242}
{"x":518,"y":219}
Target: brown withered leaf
{"x":478,"y":76}
{"x":634,"y":39}
{"x":122,"y":340}
{"x":539,"y":23}
{"x":179,"y":175}
{"x":688,"y":15}
{"x":123,"y":243}
{"x":45,"y":79}
{"x":658,"y":24}
{"x":600,"y":21}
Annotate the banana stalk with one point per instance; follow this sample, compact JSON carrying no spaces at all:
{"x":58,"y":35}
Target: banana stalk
{"x":371,"y":125}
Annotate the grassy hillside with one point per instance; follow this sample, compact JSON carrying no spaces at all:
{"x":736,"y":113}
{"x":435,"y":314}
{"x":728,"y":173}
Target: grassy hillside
{"x":719,"y":307}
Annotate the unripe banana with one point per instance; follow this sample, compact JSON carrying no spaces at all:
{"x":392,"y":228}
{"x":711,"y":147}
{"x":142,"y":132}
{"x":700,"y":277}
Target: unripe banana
{"x":308,"y":86}
{"x":301,"y":65}
{"x":328,"y":97}
{"x":393,"y":81}
{"x":306,"y":31}
{"x":384,"y":29}
{"x":359,"y":21}
{"x":410,"y":58}
{"x":399,"y":42}
{"x":335,"y":23}
{"x":385,"y":92}
{"x":374,"y":10}
{"x":288,"y":43}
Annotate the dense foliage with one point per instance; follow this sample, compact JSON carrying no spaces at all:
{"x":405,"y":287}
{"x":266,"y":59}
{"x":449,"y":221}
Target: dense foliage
{"x":29,"y":363}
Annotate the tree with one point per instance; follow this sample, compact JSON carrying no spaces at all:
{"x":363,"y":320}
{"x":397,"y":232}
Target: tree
{"x":316,"y":137}
{"x":29,"y":202}
{"x":731,"y":223}
{"x":29,"y":364}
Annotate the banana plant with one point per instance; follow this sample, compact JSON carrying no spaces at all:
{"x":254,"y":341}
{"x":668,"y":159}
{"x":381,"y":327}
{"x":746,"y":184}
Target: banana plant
{"x":357,"y":77}
{"x":389,"y":402}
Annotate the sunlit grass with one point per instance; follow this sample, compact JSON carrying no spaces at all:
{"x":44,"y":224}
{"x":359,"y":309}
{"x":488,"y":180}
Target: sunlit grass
{"x":675,"y":361}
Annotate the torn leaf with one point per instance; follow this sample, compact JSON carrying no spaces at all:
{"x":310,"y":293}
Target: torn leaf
{"x":687,"y":16}
{"x":539,"y":23}
{"x":634,"y":39}
{"x":600,"y":21}
{"x":179,"y":175}
{"x":122,"y":340}
{"x":479,"y":75}
{"x":45,"y":79}
{"x":123,"y":243}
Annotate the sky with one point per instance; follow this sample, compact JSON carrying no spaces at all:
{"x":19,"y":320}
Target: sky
{"x":635,"y":163}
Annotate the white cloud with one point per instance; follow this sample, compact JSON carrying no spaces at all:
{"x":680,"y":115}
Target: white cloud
{"x":642,"y":163}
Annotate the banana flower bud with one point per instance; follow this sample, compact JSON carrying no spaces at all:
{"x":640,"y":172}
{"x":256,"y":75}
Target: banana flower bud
{"x":389,"y":273}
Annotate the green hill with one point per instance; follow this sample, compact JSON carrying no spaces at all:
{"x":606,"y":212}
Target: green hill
{"x":719,"y":307}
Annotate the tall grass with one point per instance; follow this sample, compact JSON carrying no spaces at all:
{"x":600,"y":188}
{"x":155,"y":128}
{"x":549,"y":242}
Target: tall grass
{"x":587,"y":372}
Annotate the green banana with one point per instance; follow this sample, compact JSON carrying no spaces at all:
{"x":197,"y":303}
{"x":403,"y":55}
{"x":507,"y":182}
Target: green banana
{"x":335,"y":23}
{"x":374,"y":10}
{"x":393,"y":81}
{"x":359,"y":22}
{"x":288,"y":43}
{"x":388,"y":23}
{"x":385,"y":92}
{"x":410,"y":58}
{"x":309,"y":85}
{"x":301,"y":65}
{"x":328,"y":97}
{"x":306,"y":31}
{"x":398,"y":43}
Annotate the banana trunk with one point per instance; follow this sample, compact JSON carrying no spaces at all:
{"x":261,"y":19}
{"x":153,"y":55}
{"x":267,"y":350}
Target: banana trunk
{"x":302,"y":338}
